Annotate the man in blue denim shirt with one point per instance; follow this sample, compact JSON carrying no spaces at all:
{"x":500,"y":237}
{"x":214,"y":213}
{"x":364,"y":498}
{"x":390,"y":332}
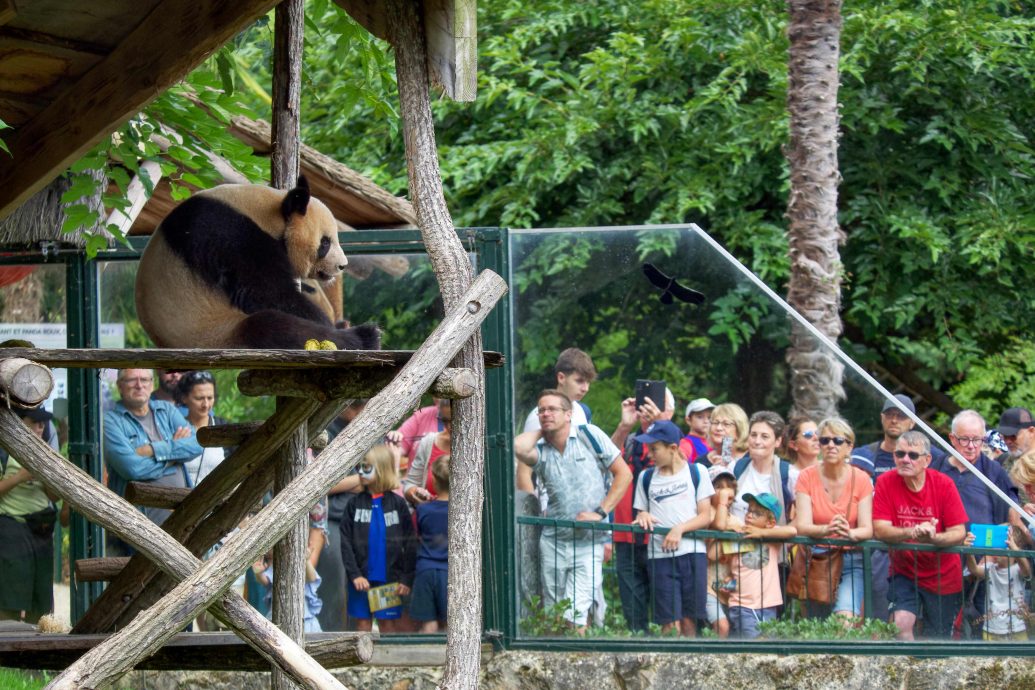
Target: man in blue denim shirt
{"x":146,"y":440}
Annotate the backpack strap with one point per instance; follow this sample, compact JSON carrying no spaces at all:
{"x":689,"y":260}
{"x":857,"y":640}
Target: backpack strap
{"x":740,"y":466}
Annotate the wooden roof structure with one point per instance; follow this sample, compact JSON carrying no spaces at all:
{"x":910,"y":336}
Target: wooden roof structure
{"x":71,"y":71}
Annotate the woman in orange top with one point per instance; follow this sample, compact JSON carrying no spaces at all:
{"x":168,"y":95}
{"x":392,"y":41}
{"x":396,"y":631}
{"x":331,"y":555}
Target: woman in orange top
{"x":835,"y":499}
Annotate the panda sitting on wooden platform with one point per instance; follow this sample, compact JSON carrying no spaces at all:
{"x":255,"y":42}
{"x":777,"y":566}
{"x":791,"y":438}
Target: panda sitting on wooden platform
{"x":222,"y":270}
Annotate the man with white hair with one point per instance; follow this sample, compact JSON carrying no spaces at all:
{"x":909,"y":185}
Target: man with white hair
{"x":983,"y":506}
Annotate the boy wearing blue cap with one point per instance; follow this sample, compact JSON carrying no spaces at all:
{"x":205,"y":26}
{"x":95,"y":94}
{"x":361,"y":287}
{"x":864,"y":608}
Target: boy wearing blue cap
{"x":676,"y":495}
{"x":758,"y":594}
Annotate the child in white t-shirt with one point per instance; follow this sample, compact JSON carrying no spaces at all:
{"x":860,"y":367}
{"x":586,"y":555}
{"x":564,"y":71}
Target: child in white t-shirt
{"x":676,"y":495}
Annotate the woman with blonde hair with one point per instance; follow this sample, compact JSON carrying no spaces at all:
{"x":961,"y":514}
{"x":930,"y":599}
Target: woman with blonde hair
{"x":377,"y":541}
{"x":729,"y":420}
{"x":835,"y":499}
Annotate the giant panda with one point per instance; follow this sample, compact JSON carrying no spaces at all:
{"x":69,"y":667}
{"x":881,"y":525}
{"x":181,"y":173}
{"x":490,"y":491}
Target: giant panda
{"x":223,"y":270}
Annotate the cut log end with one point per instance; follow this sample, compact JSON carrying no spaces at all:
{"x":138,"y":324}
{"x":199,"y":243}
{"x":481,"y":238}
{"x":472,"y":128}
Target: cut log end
{"x":25,"y":382}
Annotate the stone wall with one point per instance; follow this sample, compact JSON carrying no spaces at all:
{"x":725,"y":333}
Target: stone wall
{"x":561,"y":671}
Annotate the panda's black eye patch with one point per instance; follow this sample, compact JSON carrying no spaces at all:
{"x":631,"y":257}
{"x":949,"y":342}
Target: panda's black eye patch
{"x":325,"y":246}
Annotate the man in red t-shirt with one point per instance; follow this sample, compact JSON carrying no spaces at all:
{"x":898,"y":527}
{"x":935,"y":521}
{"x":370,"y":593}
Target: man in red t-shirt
{"x":919,"y":505}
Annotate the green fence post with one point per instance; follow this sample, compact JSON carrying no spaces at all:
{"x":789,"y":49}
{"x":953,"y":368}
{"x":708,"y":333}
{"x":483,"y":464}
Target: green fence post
{"x":84,"y":417}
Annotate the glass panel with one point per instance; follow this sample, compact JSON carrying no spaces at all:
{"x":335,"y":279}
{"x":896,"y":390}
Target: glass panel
{"x":589,"y":288}
{"x":32,"y":308}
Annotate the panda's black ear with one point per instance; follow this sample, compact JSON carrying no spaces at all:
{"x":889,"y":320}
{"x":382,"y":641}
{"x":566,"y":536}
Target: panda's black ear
{"x":296,"y":202}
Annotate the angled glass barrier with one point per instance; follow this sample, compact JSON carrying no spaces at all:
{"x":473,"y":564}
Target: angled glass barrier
{"x":784,"y":536}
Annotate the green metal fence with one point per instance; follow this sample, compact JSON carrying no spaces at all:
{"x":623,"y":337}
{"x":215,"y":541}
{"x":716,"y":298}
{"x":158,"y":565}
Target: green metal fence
{"x":800,"y":626}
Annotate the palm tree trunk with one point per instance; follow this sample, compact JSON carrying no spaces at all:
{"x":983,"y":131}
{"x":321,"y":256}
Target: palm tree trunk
{"x":814,"y":235}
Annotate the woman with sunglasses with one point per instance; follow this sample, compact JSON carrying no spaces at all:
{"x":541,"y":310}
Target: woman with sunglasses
{"x":197,"y":390}
{"x":801,"y":443}
{"x":835,"y":499}
{"x":418,"y":486}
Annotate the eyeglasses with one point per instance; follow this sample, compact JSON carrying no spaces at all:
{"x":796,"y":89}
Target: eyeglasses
{"x":912,"y":454}
{"x":142,"y":380}
{"x":366,"y":468}
{"x":723,"y":423}
{"x":809,"y":435}
{"x":969,"y":441}
{"x":551,"y":410}
{"x":836,"y":440}
{"x":196,"y":377}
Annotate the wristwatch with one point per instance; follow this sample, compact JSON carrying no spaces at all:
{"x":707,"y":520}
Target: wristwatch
{"x":601,"y":512}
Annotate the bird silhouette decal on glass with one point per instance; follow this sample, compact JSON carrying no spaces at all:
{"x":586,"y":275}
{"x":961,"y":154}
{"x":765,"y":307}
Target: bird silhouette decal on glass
{"x":670,"y":288}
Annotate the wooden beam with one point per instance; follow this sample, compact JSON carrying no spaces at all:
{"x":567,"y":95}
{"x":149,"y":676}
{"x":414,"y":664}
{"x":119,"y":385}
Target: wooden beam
{"x":99,"y":569}
{"x":353,"y":383}
{"x":50,"y":40}
{"x":172,"y":40}
{"x":451,"y":32}
{"x":207,"y":651}
{"x":152,"y":496}
{"x":86,"y":358}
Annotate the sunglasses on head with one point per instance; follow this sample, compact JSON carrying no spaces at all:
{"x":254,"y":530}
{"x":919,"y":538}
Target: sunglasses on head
{"x":913,"y":455}
{"x":836,"y":440}
{"x":194,"y":377}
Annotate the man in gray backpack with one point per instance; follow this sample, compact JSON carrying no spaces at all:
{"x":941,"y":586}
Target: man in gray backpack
{"x":576,"y":464}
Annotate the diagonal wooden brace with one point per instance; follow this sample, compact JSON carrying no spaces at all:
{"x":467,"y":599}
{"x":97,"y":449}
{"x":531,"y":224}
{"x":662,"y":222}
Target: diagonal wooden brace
{"x":251,"y":457}
{"x":115,"y":514}
{"x":109,"y":660}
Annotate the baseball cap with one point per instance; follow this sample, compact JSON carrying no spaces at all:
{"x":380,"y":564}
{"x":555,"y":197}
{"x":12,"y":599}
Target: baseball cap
{"x":698,"y":405}
{"x":36,"y":414}
{"x":662,"y":430}
{"x":716,"y":471}
{"x":904,"y":399}
{"x":767,"y":501}
{"x":1013,"y":420}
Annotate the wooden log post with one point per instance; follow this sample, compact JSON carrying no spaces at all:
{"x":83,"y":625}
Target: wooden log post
{"x":145,"y":634}
{"x":453,"y":271}
{"x":289,"y":554}
{"x":116,"y":515}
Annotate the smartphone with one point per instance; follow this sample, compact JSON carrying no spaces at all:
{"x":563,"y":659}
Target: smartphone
{"x":727,"y":450}
{"x":655,"y":390}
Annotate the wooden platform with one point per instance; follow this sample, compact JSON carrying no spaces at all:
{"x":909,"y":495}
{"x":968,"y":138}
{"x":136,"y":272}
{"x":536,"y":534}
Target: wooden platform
{"x":201,"y":651}
{"x":139,"y":358}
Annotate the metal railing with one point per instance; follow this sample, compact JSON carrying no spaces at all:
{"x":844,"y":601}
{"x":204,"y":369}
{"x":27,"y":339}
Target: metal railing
{"x":550,"y":612}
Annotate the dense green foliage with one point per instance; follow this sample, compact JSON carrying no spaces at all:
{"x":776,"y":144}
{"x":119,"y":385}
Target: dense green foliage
{"x":674,"y":111}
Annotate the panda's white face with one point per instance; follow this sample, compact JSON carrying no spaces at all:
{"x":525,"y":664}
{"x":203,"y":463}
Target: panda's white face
{"x":330,"y":260}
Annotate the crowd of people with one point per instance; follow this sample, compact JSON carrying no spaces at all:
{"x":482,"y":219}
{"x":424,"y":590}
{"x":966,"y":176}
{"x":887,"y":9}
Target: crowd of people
{"x":378,"y":542}
{"x":771,"y":480}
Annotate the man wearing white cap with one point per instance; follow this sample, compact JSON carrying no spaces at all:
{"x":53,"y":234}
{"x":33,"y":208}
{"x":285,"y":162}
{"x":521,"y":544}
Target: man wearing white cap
{"x":698,"y":419}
